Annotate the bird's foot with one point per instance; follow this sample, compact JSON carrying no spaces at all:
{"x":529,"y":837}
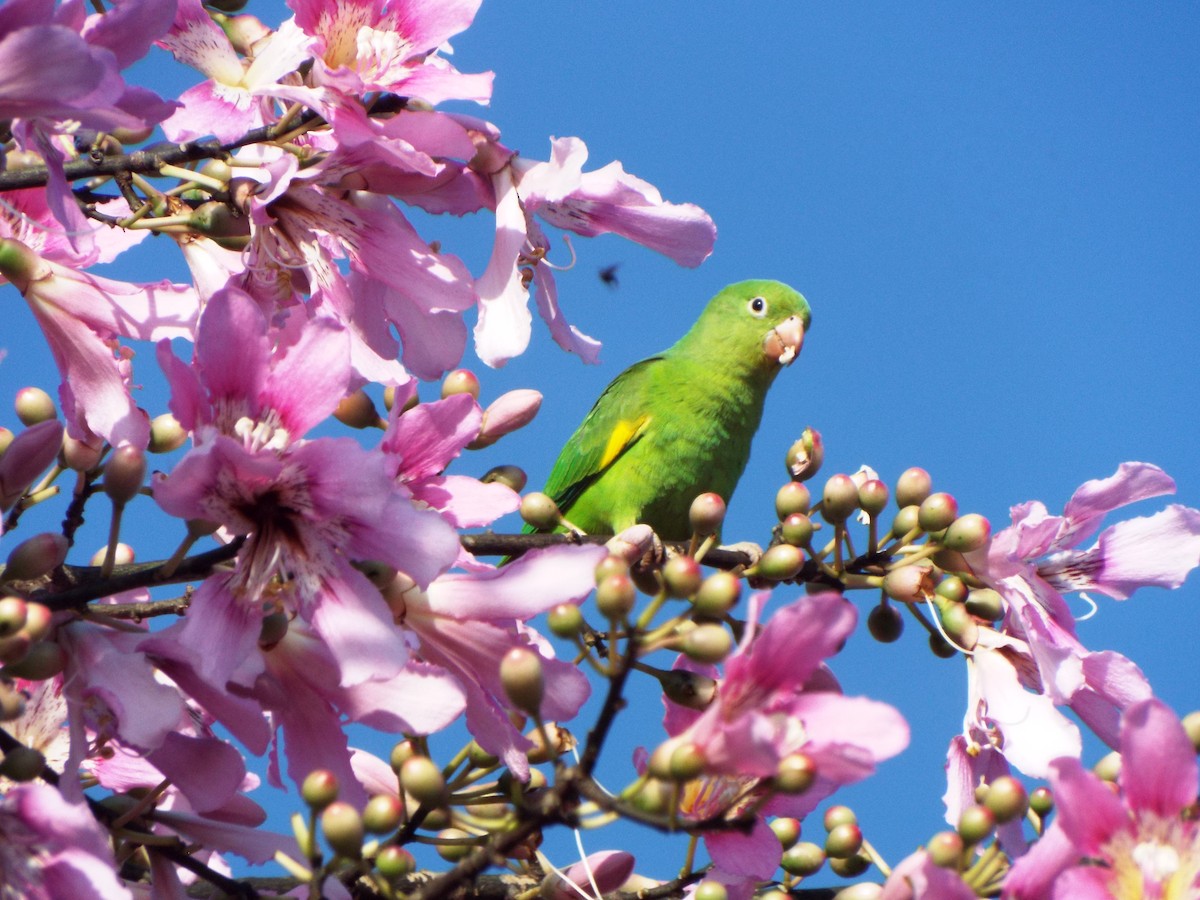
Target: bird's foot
{"x":635,"y":544}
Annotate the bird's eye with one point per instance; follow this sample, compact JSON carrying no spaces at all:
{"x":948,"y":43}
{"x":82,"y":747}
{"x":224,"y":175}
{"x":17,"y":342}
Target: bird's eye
{"x":757,"y":307}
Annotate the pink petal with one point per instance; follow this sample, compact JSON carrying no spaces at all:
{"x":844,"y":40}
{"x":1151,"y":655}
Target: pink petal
{"x":1158,"y":770}
{"x":1088,"y":812}
{"x":1033,"y":875}
{"x":755,"y":854}
{"x":1158,"y":550}
{"x":504,"y":324}
{"x":1094,"y":499}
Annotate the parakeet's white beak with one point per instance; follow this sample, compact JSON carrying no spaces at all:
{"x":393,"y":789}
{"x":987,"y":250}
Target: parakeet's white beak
{"x":783,"y":342}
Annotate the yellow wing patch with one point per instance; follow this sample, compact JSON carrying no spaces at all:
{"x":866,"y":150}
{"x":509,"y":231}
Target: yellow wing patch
{"x":626,"y":432}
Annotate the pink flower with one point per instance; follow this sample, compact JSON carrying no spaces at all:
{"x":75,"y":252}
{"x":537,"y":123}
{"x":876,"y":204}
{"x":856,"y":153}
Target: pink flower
{"x":917,"y":878}
{"x":50,"y":848}
{"x":466,"y":623}
{"x":776,"y":699}
{"x":28,"y":456}
{"x":1143,"y":842}
{"x":81,"y":317}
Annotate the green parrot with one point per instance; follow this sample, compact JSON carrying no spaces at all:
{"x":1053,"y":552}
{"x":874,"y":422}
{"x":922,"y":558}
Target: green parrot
{"x":680,"y":423}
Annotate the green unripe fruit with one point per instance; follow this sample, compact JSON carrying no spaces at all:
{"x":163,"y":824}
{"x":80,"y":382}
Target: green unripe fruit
{"x":967,"y":533}
{"x":795,"y":774}
{"x":839,"y":815}
{"x":681,"y":576}
{"x":952,"y":588}
{"x":508,"y":475}
{"x":864,"y":890}
{"x":840,"y":499}
{"x":382,"y":814}
{"x":1191,"y":725}
{"x":945,"y":849}
{"x":706,"y":514}
{"x":1041,"y":801}
{"x":480,"y":758}
{"x":166,"y":434}
{"x":781,"y":562}
{"x":960,"y":625}
{"x":33,"y":405}
{"x":653,"y":797}
{"x":793,"y":497}
{"x":803,"y":859}
{"x":805,"y":456}
{"x":124,"y":473}
{"x":912,"y":487}
{"x":401,"y":753}
{"x":12,"y":615}
{"x":1006,"y":798}
{"x":343,"y":829}
{"x":885,"y":623}
{"x":796,"y":529}
{"x":985,"y":603}
{"x":1109,"y":767}
{"x":22,"y":764}
{"x":937,"y":511}
{"x":522,"y":679}
{"x":356,"y":410}
{"x":711,"y":890}
{"x":423,"y":781}
{"x":976,"y":824}
{"x":941,"y":647}
{"x":394,"y":862}
{"x":707,"y":643}
{"x":843,"y":841}
{"x":460,"y":381}
{"x":850,"y":867}
{"x":611,"y":565}
{"x":906,"y":520}
{"x":615,"y":596}
{"x":687,"y":762}
{"x":873,"y":497}
{"x":319,"y":789}
{"x":717,"y":594}
{"x":787,"y":830}
{"x":565,"y":620}
{"x":540,"y":511}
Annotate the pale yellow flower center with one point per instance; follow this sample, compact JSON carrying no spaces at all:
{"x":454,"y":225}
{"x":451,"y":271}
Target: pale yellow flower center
{"x":1157,"y":860}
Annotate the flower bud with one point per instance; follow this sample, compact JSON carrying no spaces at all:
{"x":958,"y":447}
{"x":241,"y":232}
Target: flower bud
{"x":393,"y":862}
{"x":843,"y":841}
{"x":560,"y":741}
{"x":779,"y":563}
{"x":79,"y":456}
{"x":838,"y":815}
{"x":796,"y":529}
{"x":343,"y":829}
{"x":509,"y":476}
{"x":38,"y":621}
{"x":985,"y":603}
{"x":707,"y":643}
{"x":540,"y":511}
{"x":706,"y":514}
{"x":1006,"y":798}
{"x":840,"y":499}
{"x":941,"y":648}
{"x":952,"y":588}
{"x":460,"y":381}
{"x":565,"y":620}
{"x":6,"y":439}
{"x":25,"y":458}
{"x":14,"y":648}
{"x":319,"y":789}
{"x":383,"y":813}
{"x":1109,"y":767}
{"x":273,"y":630}
{"x":945,"y":849}
{"x":653,"y":796}
{"x":423,"y":781}
{"x":507,"y":413}
{"x":909,"y":584}
{"x":885,"y":623}
{"x":454,"y":852}
{"x":222,"y":223}
{"x":873,"y":497}
{"x":793,"y":497}
{"x":401,"y":753}
{"x":967,"y":533}
{"x":36,"y":556}
{"x":717,"y":594}
{"x":34,"y":406}
{"x":787,"y":830}
{"x":795,"y":774}
{"x":166,"y":434}
{"x":124,"y":473}
{"x":687,"y":762}
{"x":522,"y":678}
{"x":912,"y":487}
{"x":852,"y":867}
{"x":357,"y":410}
{"x":804,"y":457}
{"x":976,"y":823}
{"x":937,"y":511}
{"x":803,"y":859}
{"x":480,"y":758}
{"x":960,"y":625}
{"x":12,"y":704}
{"x":615,"y":596}
{"x":681,"y":576}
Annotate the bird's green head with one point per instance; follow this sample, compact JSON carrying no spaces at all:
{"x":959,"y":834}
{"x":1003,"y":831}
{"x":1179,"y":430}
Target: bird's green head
{"x":762,"y":322}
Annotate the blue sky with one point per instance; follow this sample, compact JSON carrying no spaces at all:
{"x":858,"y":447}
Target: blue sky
{"x":994,"y":213}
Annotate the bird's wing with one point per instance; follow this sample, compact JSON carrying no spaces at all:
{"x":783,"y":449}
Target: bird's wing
{"x":615,"y":423}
